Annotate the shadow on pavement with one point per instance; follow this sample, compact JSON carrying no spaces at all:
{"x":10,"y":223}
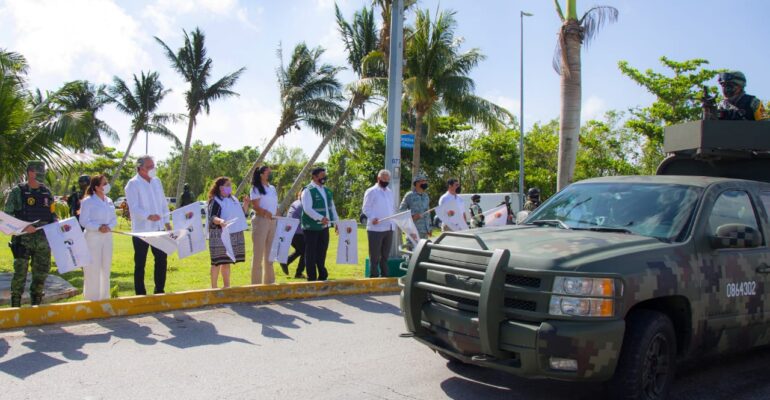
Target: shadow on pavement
{"x":270,"y":319}
{"x":4,"y":347}
{"x":370,"y":305}
{"x":188,"y":332}
{"x":127,"y":329}
{"x":320,"y":313}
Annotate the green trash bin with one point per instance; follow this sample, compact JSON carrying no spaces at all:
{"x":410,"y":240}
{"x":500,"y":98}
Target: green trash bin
{"x":394,"y":268}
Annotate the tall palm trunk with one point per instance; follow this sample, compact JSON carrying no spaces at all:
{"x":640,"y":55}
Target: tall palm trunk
{"x":125,"y":155}
{"x":302,"y":177}
{"x":569,"y":126}
{"x":185,"y":157}
{"x":416,"y":150}
{"x":280,"y":131}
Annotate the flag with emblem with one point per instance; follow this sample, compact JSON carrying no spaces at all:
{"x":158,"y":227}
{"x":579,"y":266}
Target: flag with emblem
{"x":68,"y":244}
{"x":192,"y":239}
{"x":12,"y":226}
{"x":497,"y":216}
{"x":347,"y":245}
{"x":284,"y":233}
{"x":406,"y":224}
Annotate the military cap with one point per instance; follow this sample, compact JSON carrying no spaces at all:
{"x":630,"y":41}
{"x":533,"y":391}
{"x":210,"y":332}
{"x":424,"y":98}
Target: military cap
{"x":36,"y":165}
{"x":84,"y":179}
{"x":733,"y":76}
{"x":419,"y":177}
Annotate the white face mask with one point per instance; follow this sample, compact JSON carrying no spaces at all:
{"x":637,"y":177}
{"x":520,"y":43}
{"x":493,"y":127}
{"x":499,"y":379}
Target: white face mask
{"x":106,"y":189}
{"x":152,"y":173}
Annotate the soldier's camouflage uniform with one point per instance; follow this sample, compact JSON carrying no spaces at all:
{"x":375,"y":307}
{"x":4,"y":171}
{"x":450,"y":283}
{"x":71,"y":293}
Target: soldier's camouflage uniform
{"x":418,"y":203}
{"x":531,"y":205}
{"x":477,"y":218}
{"x":30,"y":247}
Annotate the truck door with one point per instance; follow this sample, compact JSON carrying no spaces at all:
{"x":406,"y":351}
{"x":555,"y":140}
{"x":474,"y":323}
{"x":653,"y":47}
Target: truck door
{"x":735,"y":285}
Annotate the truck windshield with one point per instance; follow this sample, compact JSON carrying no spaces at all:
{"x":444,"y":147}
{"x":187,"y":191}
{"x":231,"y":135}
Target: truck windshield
{"x":662,"y":211}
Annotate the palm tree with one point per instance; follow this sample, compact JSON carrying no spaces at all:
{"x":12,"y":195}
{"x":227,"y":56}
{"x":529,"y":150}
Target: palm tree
{"x":195,"y":66}
{"x":141,"y":104}
{"x":567,"y":63}
{"x":28,"y":130}
{"x":86,"y":99}
{"x":385,"y":6}
{"x":361,"y":40}
{"x":436,"y":79}
{"x":309,"y":94}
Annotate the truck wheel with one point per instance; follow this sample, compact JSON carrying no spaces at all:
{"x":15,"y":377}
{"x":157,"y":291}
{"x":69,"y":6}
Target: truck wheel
{"x":647,"y":360}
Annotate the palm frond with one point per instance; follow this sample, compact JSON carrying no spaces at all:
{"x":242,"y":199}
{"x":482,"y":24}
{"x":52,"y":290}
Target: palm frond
{"x":595,"y":18}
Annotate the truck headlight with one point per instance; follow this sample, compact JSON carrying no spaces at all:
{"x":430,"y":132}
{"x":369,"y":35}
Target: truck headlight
{"x":599,"y":292}
{"x":581,"y":306}
{"x":602,"y":287}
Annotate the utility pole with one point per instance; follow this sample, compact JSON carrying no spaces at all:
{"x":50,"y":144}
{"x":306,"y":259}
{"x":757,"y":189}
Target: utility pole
{"x":521,"y":115}
{"x":393,"y":134}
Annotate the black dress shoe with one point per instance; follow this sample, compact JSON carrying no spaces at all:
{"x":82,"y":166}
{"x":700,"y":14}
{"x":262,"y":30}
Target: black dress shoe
{"x":285,"y":268}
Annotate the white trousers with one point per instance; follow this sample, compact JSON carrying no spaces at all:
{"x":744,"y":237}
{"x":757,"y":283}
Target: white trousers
{"x":96,"y":276}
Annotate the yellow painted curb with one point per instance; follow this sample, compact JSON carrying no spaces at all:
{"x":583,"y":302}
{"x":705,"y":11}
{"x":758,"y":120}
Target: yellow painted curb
{"x":86,"y":310}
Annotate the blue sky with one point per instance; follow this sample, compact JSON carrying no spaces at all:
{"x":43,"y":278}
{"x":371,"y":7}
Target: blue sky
{"x":97,"y":39}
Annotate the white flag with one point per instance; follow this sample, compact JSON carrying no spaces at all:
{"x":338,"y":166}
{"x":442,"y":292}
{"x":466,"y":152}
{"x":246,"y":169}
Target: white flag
{"x":347,"y":246}
{"x":192,"y":239}
{"x":226,"y":239}
{"x":406,"y":224}
{"x":284,"y":233}
{"x":521,"y":216}
{"x":12,"y":226}
{"x":455,"y":221}
{"x":497,"y":216}
{"x":68,"y":244}
{"x":165,"y":241}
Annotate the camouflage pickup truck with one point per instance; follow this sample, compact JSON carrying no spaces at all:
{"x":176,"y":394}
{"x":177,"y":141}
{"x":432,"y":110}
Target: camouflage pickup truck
{"x":613,"y":279}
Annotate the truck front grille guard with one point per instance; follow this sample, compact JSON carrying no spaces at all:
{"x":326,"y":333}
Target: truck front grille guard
{"x":491,"y":299}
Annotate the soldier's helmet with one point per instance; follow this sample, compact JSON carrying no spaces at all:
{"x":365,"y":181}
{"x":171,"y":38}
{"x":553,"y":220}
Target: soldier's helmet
{"x":533,"y":192}
{"x":736,"y":77}
{"x":476,"y":197}
{"x":36,"y":165}
{"x":419,"y":177}
{"x":84,"y":179}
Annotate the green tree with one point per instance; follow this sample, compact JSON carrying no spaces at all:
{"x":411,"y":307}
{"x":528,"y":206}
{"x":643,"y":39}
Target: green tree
{"x":361,"y":41}
{"x":437,"y":79}
{"x":195,"y":66}
{"x":86,"y":100}
{"x":573,"y":34}
{"x":142,"y":104}
{"x":492,"y":162}
{"x":541,"y":145}
{"x":309,"y":93}
{"x":677,"y":99}
{"x":607,"y":148}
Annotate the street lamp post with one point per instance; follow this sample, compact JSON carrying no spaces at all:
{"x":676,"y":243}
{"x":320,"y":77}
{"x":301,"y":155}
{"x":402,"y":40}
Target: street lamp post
{"x":393,"y":133}
{"x":521,"y":114}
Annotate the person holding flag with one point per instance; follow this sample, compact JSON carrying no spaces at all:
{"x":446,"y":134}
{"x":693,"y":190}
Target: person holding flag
{"x":32,"y":202}
{"x":318,"y":212}
{"x":378,"y":203}
{"x":417,"y":202}
{"x":224,"y":208}
{"x":97,"y":216}
{"x":453,"y":203}
{"x":264,"y":201}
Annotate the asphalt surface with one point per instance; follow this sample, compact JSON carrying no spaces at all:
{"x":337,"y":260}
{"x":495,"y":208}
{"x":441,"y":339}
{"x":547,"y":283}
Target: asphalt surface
{"x":333,"y":348}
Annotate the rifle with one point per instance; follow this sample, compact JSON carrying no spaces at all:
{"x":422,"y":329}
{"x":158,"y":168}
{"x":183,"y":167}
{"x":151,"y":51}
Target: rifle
{"x":709,"y":105}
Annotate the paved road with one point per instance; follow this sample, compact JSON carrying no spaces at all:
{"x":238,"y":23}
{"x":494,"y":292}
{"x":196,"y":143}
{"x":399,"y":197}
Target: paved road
{"x":334,"y":348}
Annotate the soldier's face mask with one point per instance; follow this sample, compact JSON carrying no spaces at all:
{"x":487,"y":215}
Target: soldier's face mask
{"x":730,"y":89}
{"x":39,"y":173}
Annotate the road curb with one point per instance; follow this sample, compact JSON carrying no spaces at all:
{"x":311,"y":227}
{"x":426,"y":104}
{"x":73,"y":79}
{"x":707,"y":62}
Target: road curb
{"x":87,"y":310}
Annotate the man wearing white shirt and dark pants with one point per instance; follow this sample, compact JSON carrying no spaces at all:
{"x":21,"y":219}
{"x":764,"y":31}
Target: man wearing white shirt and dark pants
{"x":452,"y":195}
{"x":318,"y":212}
{"x":378,"y":204}
{"x":149,"y":213}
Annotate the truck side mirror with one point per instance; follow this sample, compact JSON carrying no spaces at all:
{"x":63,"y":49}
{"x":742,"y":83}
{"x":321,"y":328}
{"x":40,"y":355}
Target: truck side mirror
{"x":735,"y":236}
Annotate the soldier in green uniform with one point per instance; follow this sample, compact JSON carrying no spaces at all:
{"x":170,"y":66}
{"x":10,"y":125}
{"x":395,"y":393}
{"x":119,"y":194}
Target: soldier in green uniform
{"x":77,"y":196}
{"x":477,"y":214}
{"x":31,"y":201}
{"x":737,"y":104}
{"x":533,"y":199}
{"x":418,"y":202}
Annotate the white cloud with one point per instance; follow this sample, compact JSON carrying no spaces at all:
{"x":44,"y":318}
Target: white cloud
{"x":593,"y":108}
{"x":56,"y":35}
{"x":335,"y":50}
{"x":329,"y":4}
{"x":163,"y":13}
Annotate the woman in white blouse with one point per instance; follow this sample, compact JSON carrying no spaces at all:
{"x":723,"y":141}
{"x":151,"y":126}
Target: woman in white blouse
{"x":97,"y":216}
{"x":264,"y":201}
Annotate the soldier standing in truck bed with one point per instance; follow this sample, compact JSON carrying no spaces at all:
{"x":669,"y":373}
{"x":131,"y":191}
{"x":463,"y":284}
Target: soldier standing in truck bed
{"x":737,"y":104}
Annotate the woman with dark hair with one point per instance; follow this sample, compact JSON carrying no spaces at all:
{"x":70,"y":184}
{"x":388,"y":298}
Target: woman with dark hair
{"x":97,"y":216}
{"x":264,"y":201}
{"x":224,"y":208}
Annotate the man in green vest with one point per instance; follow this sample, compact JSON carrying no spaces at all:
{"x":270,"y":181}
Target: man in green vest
{"x":318,"y":212}
{"x":31,"y":201}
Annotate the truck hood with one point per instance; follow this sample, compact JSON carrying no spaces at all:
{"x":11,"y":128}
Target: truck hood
{"x":534,"y":247}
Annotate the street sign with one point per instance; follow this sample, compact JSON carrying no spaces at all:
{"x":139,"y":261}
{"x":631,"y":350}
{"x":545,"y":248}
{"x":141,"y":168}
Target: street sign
{"x":407,"y":141}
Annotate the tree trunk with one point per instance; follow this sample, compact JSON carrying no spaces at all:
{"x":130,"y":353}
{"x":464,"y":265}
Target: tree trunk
{"x":569,"y":126}
{"x":185,"y":157}
{"x":280,"y":131}
{"x":416,"y":150}
{"x":125,"y":155}
{"x":306,"y":169}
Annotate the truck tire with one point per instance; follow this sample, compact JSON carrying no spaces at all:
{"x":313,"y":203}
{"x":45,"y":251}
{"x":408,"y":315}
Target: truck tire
{"x":647,"y":361}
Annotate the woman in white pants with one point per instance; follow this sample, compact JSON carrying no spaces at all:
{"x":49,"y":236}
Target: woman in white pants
{"x":97,"y":216}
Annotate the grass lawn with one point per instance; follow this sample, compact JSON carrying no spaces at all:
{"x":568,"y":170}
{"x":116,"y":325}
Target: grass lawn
{"x":192,"y":272}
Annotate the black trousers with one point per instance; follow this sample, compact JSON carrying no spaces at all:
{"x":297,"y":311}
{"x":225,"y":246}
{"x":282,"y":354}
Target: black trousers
{"x":140,"y":260}
{"x":316,"y":244}
{"x":379,"y":251}
{"x":298,"y":243}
